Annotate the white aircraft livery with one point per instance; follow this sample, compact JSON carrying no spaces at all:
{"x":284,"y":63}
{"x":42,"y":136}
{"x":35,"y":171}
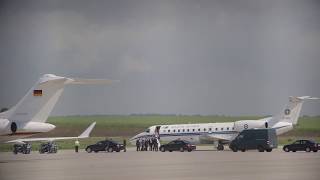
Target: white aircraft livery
{"x":29,"y":116}
{"x":84,"y":134}
{"x":223,"y":133}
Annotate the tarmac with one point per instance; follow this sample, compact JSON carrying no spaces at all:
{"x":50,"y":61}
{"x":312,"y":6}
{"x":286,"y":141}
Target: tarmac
{"x":202,"y":164}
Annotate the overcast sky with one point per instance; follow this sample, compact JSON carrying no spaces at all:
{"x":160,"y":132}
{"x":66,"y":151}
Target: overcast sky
{"x":171,"y":56}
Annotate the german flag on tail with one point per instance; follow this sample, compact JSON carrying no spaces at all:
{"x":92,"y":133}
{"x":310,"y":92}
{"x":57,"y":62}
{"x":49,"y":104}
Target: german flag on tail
{"x":37,"y":92}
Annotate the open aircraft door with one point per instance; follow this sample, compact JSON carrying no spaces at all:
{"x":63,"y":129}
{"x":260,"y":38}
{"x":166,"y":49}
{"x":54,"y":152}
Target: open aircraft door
{"x":157,"y":132}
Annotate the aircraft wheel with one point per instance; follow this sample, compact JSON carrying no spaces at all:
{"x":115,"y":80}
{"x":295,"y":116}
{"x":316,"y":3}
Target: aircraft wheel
{"x":220,"y":147}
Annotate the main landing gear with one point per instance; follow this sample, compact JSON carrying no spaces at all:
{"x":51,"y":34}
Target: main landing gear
{"x":218,"y":145}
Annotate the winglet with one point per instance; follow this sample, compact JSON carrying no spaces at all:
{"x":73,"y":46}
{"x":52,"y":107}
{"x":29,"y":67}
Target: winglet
{"x":90,"y":81}
{"x":87,"y":132}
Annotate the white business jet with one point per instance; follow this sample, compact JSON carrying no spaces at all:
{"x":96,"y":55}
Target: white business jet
{"x":29,"y":116}
{"x":223,"y":133}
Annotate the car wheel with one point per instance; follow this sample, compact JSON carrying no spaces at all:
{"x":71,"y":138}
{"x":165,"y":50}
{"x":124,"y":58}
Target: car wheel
{"x":269,"y":150}
{"x":260,"y":149}
{"x":89,"y":150}
{"x":162,"y":149}
{"x":181,"y":149}
{"x":170,"y":150}
{"x":243,"y":150}
{"x":110,"y":149}
{"x":308,"y":149}
{"x":234,"y":149}
{"x":315,"y":150}
{"x":293,"y":150}
{"x":189,"y":150}
{"x":286,"y":149}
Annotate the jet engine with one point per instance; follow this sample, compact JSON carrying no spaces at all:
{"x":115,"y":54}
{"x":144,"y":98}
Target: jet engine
{"x":7,"y":127}
{"x":249,"y":124}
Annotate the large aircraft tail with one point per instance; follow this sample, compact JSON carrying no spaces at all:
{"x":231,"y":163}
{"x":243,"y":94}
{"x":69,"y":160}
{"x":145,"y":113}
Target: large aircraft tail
{"x":38,"y":103}
{"x":292,"y":110}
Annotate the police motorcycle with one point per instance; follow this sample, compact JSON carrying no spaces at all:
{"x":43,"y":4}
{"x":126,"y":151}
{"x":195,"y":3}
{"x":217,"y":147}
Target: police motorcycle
{"x":49,"y":147}
{"x":22,"y":148}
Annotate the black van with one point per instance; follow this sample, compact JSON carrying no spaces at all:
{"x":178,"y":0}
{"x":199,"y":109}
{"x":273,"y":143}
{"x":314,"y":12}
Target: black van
{"x":261,"y":139}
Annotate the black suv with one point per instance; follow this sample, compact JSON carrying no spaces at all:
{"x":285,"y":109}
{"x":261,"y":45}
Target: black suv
{"x":302,"y":145}
{"x":178,"y":145}
{"x":106,"y":145}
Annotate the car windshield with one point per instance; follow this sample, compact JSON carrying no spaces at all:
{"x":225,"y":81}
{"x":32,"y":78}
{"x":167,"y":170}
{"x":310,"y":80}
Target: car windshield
{"x":311,"y":141}
{"x":187,"y":142}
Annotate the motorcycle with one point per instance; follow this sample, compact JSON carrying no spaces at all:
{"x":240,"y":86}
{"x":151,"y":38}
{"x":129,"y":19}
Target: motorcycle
{"x":49,"y":147}
{"x":22,"y":148}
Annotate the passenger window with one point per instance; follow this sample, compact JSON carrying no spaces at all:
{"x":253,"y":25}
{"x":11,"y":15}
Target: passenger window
{"x":182,"y":130}
{"x":221,"y":129}
{"x":188,"y":130}
{"x":210,"y":129}
{"x":199,"y":130}
{"x":164,"y":130}
{"x":233,"y":128}
{"x":169,"y":130}
{"x":178,"y":130}
{"x":227,"y":128}
{"x":204,"y":129}
{"x":216,"y":129}
{"x":174,"y":130}
{"x":193,"y":130}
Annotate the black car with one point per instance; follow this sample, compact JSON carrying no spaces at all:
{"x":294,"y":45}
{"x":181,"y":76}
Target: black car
{"x":178,"y":145}
{"x":302,"y":145}
{"x":106,"y":145}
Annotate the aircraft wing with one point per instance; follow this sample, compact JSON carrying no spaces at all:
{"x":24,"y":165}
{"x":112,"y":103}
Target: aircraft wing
{"x":84,"y":134}
{"x":216,"y":136}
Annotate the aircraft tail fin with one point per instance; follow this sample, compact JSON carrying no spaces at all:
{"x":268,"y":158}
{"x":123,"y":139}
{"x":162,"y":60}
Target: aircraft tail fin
{"x":40,"y":100}
{"x":292,"y":110}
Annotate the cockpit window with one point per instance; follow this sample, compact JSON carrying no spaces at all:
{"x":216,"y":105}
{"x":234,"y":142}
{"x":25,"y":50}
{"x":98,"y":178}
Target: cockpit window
{"x":147,"y":130}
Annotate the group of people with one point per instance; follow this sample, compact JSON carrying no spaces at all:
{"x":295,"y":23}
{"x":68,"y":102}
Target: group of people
{"x":147,"y":144}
